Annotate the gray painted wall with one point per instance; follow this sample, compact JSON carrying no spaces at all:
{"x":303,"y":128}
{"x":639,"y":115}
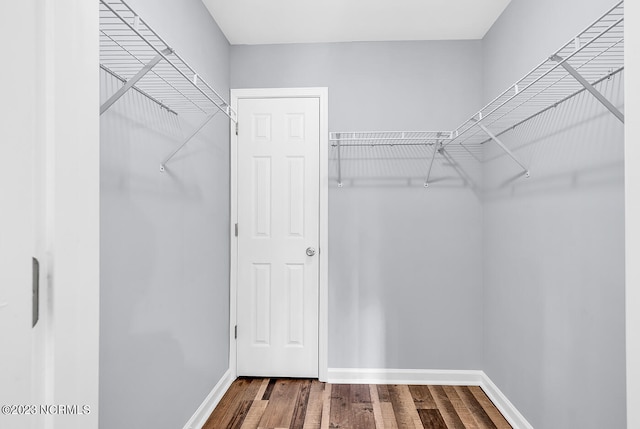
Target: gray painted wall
{"x":554,"y":243}
{"x":531,"y":292}
{"x":164,"y":241}
{"x":405,"y":275}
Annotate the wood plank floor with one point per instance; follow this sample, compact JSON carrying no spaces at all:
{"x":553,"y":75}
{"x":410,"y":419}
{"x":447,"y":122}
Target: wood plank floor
{"x":268,"y":403}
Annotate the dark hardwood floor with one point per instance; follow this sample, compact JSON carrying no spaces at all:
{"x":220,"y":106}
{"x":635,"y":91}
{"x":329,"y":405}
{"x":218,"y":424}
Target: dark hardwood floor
{"x":263,"y":403}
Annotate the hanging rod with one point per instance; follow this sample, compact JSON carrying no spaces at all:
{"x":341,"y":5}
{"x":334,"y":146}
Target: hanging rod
{"x":594,"y":55}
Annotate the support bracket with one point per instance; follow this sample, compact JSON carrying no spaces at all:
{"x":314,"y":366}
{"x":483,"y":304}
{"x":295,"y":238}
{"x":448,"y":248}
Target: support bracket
{"x":504,"y":148}
{"x":339,"y":162}
{"x":131,"y":82}
{"x":577,"y":76}
{"x":436,"y":148}
{"x":184,"y":143}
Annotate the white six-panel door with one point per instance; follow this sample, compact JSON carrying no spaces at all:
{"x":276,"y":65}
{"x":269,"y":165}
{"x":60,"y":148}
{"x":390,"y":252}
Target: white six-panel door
{"x":278,"y":236}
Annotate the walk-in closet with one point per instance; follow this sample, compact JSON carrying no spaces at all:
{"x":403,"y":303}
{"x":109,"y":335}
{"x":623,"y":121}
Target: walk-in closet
{"x":343,"y":214}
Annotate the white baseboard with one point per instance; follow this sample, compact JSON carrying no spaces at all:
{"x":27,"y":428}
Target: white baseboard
{"x":426,"y":376}
{"x":508,"y":410}
{"x":203,"y":412}
{"x":405,"y":376}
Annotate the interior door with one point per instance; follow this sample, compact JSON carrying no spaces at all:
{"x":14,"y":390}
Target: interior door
{"x":278,"y":236}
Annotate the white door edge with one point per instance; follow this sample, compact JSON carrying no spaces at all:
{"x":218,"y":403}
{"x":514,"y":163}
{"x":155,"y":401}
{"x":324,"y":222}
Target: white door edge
{"x":322,"y":93}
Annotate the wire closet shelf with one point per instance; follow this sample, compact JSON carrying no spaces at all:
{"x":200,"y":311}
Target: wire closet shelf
{"x":593,"y":56}
{"x":129,"y":47}
{"x":385,"y":139}
{"x":133,"y":53}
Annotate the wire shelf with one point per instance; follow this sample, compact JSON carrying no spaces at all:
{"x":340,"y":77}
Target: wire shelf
{"x":597,"y":53}
{"x":388,"y":138}
{"x":128,"y":45}
{"x":593,"y":56}
{"x":400,"y":155}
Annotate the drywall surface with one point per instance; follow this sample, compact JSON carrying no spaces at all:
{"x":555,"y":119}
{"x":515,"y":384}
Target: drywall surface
{"x":164,"y":247}
{"x":404,"y":267}
{"x":554,"y":244}
{"x":528,"y":32}
{"x":632,"y":206}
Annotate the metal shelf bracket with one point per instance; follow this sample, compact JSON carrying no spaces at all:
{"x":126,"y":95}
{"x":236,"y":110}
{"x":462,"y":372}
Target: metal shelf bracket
{"x":437,"y":148}
{"x":187,"y":140}
{"x":577,"y":76}
{"x":131,"y":82}
{"x":504,"y":148}
{"x":339,"y":162}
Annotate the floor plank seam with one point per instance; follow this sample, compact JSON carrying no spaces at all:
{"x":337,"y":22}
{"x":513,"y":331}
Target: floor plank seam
{"x":271,"y":403}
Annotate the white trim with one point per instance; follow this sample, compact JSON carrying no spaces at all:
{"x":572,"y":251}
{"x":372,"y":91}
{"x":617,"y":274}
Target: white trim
{"x":72,"y":138}
{"x":508,"y":410}
{"x":432,"y":376}
{"x":405,"y":376}
{"x":632,"y":209}
{"x":203,"y":412}
{"x":323,"y":311}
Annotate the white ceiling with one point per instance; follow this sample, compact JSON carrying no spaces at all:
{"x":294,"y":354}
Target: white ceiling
{"x":257,"y":22}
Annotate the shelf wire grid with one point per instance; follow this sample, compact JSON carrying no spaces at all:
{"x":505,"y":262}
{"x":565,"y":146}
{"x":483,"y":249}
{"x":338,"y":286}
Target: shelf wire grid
{"x":390,"y":139}
{"x":127,"y":44}
{"x":399,"y":155}
{"x":597,"y":53}
{"x":387,"y":138}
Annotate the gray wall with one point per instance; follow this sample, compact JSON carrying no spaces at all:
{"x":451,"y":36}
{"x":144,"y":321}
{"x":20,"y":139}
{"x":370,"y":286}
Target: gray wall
{"x":554,"y":243}
{"x":164,"y":241}
{"x":405,"y":275}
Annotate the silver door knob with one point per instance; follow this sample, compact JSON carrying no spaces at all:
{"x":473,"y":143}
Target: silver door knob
{"x":311,"y":251}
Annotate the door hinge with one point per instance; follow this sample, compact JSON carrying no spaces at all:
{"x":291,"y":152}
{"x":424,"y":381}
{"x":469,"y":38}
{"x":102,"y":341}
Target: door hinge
{"x":236,"y":230}
{"x":236,"y":128}
{"x":235,"y":332}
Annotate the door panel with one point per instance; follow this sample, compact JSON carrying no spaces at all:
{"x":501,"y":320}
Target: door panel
{"x":278,"y":219}
{"x":18,"y":138}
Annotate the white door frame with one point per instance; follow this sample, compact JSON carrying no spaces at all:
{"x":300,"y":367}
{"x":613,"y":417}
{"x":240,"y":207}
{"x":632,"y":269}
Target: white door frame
{"x":323,"y":284}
